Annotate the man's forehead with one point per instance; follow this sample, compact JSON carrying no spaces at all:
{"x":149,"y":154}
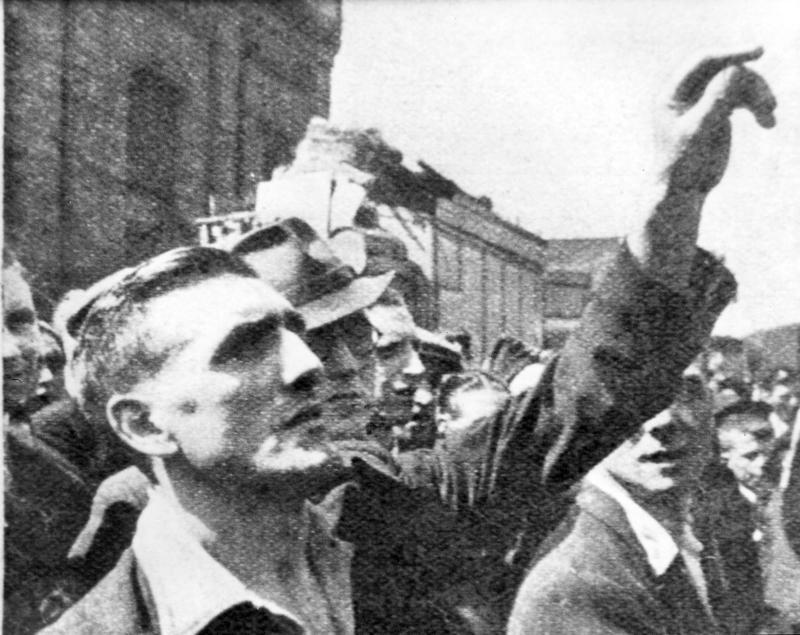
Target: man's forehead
{"x":216,"y":302}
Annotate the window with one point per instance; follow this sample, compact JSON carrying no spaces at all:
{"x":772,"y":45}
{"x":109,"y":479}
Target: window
{"x":449,"y":264}
{"x":154,"y":140}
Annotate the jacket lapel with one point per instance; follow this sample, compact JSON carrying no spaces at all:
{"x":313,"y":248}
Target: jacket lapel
{"x":680,"y":607}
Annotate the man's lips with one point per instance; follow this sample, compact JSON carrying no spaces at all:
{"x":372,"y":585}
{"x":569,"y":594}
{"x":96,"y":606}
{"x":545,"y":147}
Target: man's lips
{"x":342,"y":404}
{"x":336,"y":415}
{"x":307,"y":413}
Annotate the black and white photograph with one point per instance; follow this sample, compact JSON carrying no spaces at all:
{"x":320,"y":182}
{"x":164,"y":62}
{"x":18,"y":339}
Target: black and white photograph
{"x":399,"y":317}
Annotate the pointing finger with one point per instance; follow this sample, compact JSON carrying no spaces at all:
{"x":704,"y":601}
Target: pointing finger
{"x":691,"y":87}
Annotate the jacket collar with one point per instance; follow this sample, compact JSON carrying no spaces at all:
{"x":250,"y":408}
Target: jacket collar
{"x":188,"y":587}
{"x":658,"y":543}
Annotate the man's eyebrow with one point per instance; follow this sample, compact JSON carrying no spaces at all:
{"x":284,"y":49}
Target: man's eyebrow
{"x":244,"y":337}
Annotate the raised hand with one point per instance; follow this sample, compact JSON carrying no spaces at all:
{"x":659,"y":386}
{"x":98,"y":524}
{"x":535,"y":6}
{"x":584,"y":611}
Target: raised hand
{"x":694,"y":141}
{"x":695,"y":129}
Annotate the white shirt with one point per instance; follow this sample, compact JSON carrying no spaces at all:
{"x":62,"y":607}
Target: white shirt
{"x":188,"y":586}
{"x":660,"y":546}
{"x":794,"y":441}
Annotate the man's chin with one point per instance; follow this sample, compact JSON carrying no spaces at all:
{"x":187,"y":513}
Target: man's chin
{"x":322,"y":467}
{"x":298,"y":482}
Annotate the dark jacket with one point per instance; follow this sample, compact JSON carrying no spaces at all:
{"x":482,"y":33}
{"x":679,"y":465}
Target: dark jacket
{"x":45,"y":503}
{"x":598,"y":581}
{"x":446,"y":553}
{"x":431,"y":557}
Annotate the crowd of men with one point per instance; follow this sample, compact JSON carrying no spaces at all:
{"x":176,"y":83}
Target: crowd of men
{"x":253,"y":439}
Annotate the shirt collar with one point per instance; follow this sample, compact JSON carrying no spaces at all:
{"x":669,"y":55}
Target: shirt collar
{"x":189,"y":587}
{"x":658,"y":544}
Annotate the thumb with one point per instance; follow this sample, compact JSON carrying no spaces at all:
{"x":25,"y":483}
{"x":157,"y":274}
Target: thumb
{"x":747,"y":89}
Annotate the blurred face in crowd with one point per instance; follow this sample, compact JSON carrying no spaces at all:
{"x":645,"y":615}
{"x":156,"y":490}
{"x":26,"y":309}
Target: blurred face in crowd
{"x":345,"y":349}
{"x":728,"y":365}
{"x":50,"y":386}
{"x":460,"y":415}
{"x":670,"y":450}
{"x":746,"y":456}
{"x":238,"y":395}
{"x":20,"y":340}
{"x":400,"y":378}
{"x":784,"y":401}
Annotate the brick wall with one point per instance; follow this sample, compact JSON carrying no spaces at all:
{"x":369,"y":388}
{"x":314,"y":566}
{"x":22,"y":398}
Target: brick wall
{"x":122,"y":118}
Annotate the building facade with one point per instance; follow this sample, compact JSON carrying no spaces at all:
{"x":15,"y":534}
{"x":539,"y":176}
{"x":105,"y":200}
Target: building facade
{"x":485,"y":274}
{"x":572,"y":265}
{"x":125,"y":121}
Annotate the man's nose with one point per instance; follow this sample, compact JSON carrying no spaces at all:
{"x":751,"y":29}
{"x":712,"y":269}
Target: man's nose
{"x":298,"y":362}
{"x":414,"y":366}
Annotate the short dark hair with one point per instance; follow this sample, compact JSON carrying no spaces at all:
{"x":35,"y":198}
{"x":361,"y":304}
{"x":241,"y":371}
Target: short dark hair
{"x":751,"y":417}
{"x":110,"y":356}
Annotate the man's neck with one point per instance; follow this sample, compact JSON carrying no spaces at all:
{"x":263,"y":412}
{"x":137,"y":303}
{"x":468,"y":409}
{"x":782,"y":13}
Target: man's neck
{"x":260,"y":540}
{"x":670,"y":509}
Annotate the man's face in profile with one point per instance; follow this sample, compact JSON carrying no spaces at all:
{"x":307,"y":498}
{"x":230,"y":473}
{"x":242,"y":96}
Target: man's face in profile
{"x":345,"y":349}
{"x":399,"y":372}
{"x":239,"y":391}
{"x":21,"y":341}
{"x":671,"y":450}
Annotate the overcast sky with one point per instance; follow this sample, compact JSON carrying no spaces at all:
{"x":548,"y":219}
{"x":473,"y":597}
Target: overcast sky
{"x":545,"y":106}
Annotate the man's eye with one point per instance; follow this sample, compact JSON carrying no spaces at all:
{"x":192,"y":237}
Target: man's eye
{"x":244,"y":343}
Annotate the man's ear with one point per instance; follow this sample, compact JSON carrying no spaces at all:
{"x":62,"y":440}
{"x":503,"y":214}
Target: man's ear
{"x":130,"y":418}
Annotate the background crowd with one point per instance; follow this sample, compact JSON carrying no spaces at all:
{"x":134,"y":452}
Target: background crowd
{"x":474,"y":475}
{"x":64,"y":484}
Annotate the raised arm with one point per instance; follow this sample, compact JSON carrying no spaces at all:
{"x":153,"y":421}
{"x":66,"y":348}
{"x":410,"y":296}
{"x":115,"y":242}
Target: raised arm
{"x":693,"y":145}
{"x":649,"y":313}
